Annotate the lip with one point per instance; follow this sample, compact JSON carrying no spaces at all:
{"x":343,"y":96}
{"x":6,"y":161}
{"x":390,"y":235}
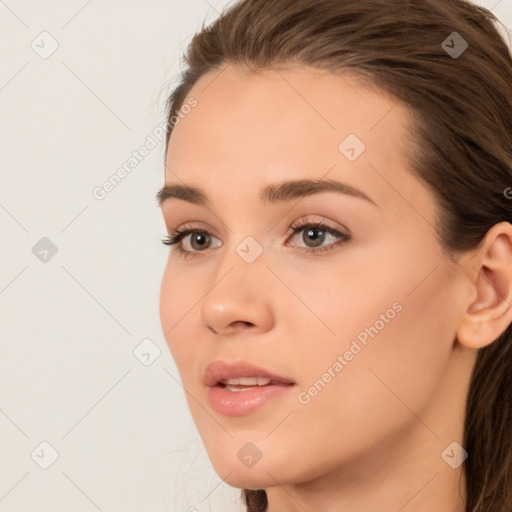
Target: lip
{"x":240,"y":403}
{"x":218,"y":371}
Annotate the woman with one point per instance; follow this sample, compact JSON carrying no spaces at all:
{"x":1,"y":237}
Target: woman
{"x":339,"y":285}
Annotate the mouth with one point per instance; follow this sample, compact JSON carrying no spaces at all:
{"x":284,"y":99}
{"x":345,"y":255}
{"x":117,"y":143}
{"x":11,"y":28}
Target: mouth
{"x":237,"y":389}
{"x":246,"y":383}
{"x":242,"y":374}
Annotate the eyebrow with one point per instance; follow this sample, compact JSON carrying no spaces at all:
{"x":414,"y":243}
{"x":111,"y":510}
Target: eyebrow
{"x":273,"y":193}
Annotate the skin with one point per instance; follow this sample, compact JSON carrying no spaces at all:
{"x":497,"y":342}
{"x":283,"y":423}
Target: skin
{"x":372,"y":439}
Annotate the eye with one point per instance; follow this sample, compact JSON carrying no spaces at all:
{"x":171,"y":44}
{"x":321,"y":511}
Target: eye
{"x":310,"y":230}
{"x":177,"y":238}
{"x":201,"y":238}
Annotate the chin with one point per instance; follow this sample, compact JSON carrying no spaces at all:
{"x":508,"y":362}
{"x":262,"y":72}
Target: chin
{"x":247,"y":479}
{"x":266,"y":472}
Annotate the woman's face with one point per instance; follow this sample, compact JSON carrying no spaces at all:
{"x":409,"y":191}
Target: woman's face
{"x":364,"y":328}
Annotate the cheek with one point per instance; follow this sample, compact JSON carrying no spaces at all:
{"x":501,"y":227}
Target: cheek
{"x":177,"y":300}
{"x":403,"y":359}
{"x":394,"y":337}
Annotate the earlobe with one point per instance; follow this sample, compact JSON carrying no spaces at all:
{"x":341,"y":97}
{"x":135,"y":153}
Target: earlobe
{"x":488,"y":311}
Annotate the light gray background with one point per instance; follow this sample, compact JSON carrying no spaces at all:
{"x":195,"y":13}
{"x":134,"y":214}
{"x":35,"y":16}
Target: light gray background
{"x":69,"y":325}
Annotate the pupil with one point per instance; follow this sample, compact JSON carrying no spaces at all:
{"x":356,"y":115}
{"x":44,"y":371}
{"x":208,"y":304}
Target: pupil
{"x":197,"y":238}
{"x":318,"y":239}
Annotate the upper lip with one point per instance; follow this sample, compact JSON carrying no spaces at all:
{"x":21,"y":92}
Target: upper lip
{"x":219,"y":371}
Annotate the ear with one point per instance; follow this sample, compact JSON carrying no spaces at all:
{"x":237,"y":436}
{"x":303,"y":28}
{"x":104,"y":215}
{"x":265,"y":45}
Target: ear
{"x":488,"y":309}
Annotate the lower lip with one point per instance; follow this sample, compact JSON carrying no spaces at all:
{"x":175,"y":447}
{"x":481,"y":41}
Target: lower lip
{"x":240,"y":403}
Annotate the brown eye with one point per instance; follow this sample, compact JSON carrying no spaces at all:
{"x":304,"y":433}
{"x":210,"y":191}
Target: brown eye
{"x":199,"y":238}
{"x":312,"y":234}
{"x":198,"y":241}
{"x":315,"y":234}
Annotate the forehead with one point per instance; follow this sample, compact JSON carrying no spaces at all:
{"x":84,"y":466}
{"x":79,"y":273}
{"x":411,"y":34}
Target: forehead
{"x":252,"y":129}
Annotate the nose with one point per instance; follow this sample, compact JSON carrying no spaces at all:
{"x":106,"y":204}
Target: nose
{"x":238,"y":300}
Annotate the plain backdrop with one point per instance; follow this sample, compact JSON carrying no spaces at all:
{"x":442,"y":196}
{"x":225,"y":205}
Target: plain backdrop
{"x":92,"y":415}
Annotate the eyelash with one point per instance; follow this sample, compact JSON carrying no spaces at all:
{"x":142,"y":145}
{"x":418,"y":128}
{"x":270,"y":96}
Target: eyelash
{"x":178,"y":235}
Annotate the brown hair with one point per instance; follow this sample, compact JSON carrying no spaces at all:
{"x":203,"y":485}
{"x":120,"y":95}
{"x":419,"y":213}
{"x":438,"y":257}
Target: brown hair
{"x":461,"y":146}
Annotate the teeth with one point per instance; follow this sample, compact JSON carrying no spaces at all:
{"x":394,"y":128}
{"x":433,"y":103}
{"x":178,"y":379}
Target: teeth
{"x":247,"y":381}
{"x":239,"y":388}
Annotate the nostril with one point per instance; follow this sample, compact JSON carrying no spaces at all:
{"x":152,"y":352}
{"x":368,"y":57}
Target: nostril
{"x":243,"y":322}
